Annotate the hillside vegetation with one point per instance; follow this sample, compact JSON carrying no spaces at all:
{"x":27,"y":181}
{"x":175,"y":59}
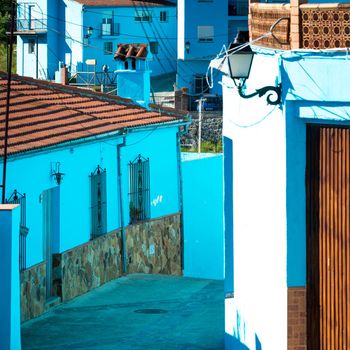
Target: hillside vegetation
{"x":5,"y":9}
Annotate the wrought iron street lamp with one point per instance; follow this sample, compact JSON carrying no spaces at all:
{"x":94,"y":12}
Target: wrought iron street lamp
{"x":239,"y":64}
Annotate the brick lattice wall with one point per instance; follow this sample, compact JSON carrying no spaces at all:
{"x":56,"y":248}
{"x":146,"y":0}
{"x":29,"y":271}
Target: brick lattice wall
{"x":297,"y":318}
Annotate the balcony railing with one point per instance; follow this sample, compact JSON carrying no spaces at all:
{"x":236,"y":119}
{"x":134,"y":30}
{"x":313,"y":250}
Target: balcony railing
{"x":32,"y":24}
{"x":312,"y":26}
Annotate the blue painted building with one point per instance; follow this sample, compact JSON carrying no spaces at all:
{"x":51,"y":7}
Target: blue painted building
{"x":203,"y":28}
{"x":287,"y":185}
{"x":76,"y":139}
{"x":51,"y":33}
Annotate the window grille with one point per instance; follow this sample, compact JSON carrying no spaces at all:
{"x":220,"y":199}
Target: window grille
{"x":205,"y":33}
{"x":108,"y":48}
{"x":98,"y":202}
{"x":139,"y":187}
{"x":154,"y":47}
{"x":18,"y":198}
{"x":163,"y":16}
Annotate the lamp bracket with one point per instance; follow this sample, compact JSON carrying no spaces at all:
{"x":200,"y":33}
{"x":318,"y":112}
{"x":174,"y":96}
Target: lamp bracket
{"x":262,"y":91}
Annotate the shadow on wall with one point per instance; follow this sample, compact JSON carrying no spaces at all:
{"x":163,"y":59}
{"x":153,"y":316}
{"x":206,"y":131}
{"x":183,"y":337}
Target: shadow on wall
{"x":238,"y":335}
{"x":233,"y":343}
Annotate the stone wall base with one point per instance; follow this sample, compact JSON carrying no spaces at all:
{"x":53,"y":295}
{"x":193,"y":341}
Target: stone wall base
{"x":152,"y":247}
{"x":33,"y":291}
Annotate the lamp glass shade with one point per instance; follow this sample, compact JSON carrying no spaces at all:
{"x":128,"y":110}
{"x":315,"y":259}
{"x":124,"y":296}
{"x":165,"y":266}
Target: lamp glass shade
{"x":240,"y":62}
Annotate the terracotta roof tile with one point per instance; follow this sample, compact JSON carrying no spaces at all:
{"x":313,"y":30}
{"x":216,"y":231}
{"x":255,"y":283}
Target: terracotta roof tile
{"x":44,"y":114}
{"x":126,"y":3}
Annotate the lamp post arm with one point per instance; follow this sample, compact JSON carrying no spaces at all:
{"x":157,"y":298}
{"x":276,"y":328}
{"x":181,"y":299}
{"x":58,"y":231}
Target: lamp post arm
{"x":262,"y":91}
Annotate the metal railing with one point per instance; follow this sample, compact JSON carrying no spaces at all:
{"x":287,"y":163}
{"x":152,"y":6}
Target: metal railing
{"x":93,"y":79}
{"x":31,"y":24}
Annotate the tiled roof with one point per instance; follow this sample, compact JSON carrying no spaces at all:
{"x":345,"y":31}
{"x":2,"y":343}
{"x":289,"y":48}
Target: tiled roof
{"x":44,"y":114}
{"x":126,"y":3}
{"x":125,"y":51}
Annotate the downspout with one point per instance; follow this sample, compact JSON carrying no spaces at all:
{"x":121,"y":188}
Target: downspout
{"x":121,"y":211}
{"x":178,"y":135}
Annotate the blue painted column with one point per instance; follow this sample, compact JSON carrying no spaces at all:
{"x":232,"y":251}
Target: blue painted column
{"x":10,"y":318}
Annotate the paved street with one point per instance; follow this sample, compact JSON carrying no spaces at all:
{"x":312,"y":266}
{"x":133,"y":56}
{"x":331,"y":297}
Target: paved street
{"x":135,"y":312}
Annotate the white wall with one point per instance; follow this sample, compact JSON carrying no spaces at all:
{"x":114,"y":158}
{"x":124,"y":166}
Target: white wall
{"x":257,"y":315}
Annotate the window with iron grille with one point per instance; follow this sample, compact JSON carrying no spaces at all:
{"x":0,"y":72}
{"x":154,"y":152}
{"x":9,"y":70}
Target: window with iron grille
{"x":139,"y":187}
{"x":18,"y":198}
{"x":108,"y":48}
{"x":163,"y":16}
{"x":98,"y":202}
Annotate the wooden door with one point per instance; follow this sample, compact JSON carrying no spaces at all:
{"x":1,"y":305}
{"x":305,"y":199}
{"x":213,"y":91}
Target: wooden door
{"x":328,"y":237}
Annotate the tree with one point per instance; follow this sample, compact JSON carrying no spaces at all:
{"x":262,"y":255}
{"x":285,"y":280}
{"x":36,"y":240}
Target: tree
{"x":5,"y":10}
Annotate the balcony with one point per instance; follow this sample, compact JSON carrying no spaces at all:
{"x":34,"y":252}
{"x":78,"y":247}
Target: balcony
{"x":31,"y":26}
{"x":305,"y":26}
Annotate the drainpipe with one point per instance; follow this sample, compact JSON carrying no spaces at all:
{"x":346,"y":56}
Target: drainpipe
{"x":121,"y":211}
{"x":178,"y":135}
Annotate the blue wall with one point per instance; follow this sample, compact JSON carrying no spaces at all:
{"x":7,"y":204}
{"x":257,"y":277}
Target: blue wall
{"x":30,"y":174}
{"x":10,"y":330}
{"x":66,"y":42}
{"x":131,"y":31}
{"x":203,"y":216}
{"x":192,"y":14}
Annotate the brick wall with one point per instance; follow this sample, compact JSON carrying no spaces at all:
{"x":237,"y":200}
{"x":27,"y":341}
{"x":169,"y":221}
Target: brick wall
{"x":297,"y":318}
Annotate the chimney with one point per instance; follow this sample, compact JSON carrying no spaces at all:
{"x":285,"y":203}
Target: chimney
{"x":64,"y":75}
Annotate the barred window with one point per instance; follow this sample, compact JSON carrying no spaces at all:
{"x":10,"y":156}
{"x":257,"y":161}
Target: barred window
{"x":18,"y":198}
{"x":98,"y":202}
{"x":108,"y":48}
{"x":139,"y":187}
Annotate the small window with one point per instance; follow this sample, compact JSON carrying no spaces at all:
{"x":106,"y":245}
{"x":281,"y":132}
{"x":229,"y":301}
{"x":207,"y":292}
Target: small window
{"x":205,"y":33}
{"x":31,"y":46}
{"x":153,"y":45}
{"x":163,"y":16}
{"x":200,"y":84}
{"x":98,"y":202}
{"x":107,"y":26}
{"x":108,"y":48}
{"x":143,"y":16}
{"x":139,"y":187}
